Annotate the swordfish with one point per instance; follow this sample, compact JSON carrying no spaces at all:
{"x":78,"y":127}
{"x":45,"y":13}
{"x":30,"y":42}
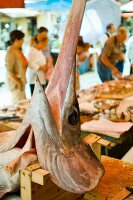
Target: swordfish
{"x":52,"y":121}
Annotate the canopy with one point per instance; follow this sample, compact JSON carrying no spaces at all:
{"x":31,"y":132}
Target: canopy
{"x":49,"y":4}
{"x":12,"y":4}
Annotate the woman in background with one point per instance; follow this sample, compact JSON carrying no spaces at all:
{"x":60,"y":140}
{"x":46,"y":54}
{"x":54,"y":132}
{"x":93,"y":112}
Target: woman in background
{"x":37,"y":63}
{"x":16,"y":65}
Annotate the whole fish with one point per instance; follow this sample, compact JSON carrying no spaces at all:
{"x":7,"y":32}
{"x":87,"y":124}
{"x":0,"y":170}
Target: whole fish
{"x":53,"y":118}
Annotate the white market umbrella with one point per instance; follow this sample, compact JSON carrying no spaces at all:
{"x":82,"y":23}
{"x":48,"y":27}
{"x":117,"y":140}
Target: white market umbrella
{"x":98,"y":14}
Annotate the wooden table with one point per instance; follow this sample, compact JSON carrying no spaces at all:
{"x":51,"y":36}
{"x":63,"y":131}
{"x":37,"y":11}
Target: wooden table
{"x":118,"y":175}
{"x":114,"y":138}
{"x":8,"y":126}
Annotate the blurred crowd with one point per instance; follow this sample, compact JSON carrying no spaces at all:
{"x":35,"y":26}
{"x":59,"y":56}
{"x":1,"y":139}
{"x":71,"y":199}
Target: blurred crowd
{"x":21,"y":67}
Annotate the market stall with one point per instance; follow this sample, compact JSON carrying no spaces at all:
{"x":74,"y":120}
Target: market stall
{"x":49,"y":135}
{"x":105,"y":109}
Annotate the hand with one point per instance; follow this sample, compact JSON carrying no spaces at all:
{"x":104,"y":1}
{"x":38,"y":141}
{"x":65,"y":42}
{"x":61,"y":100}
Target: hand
{"x":49,"y":62}
{"x":116,"y":73}
{"x":121,"y":57}
{"x":43,"y":68}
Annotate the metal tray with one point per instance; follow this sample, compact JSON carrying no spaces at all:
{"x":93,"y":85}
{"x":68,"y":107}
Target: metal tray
{"x":106,"y":104}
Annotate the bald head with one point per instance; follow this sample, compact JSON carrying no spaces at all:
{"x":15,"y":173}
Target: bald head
{"x":122,"y":34}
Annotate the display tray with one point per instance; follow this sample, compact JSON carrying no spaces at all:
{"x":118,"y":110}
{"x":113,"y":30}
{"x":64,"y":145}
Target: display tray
{"x":118,"y":175}
{"x":113,"y":118}
{"x":106,"y":104}
{"x":115,"y":96}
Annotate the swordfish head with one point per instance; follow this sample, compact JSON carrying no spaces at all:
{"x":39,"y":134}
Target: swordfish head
{"x":61,"y":88}
{"x":72,"y":164}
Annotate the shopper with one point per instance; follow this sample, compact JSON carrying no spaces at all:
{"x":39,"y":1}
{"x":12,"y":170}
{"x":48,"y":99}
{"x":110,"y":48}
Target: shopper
{"x":37,"y":63}
{"x":110,"y":55}
{"x":16,"y":65}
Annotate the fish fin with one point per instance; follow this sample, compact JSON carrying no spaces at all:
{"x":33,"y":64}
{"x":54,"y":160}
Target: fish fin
{"x":10,"y":139}
{"x":43,"y":117}
{"x":6,"y":139}
{"x":21,"y":162}
{"x":25,"y":157}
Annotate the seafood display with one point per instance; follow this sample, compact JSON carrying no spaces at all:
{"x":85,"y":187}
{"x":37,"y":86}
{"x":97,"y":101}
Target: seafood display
{"x":51,"y":125}
{"x":115,"y":89}
{"x":106,"y":104}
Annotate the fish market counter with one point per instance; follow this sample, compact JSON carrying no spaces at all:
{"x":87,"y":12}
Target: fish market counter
{"x":107,"y":110}
{"x":116,"y":183}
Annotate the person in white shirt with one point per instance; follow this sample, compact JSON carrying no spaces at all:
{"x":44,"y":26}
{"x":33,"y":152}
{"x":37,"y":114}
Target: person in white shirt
{"x":37,"y":63}
{"x":110,"y":30}
{"x":131,"y":57}
{"x":43,"y":33}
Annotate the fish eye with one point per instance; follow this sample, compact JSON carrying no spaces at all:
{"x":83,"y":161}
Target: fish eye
{"x":73,"y":117}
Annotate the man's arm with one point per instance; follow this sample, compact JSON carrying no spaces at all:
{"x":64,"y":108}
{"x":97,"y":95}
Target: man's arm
{"x":107,"y":52}
{"x":114,"y":70}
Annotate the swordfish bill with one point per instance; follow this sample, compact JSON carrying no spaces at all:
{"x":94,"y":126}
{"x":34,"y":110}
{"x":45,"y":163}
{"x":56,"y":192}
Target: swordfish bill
{"x":72,"y":163}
